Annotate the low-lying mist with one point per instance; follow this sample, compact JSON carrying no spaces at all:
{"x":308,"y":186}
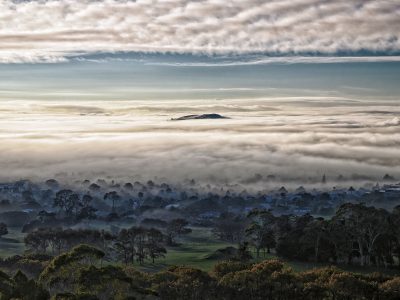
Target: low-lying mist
{"x":286,"y":140}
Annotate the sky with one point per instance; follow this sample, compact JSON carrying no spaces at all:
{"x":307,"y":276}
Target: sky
{"x":33,"y":31}
{"x":310,"y":87}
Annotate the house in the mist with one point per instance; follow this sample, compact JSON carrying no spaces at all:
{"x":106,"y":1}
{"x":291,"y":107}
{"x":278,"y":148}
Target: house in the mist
{"x":392,"y":192}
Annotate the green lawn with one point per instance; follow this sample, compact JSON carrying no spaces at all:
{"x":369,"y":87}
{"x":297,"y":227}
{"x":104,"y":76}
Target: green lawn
{"x":197,"y":246}
{"x":12,"y":243}
{"x":193,"y":250}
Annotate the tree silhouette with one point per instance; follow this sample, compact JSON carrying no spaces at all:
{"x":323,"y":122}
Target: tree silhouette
{"x":3,"y":229}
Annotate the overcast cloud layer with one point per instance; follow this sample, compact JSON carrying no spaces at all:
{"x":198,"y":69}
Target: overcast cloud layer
{"x":34,"y":31}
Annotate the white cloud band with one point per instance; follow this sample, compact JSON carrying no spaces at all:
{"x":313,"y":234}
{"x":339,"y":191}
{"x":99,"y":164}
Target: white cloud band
{"x":287,"y":138}
{"x":35,"y":31}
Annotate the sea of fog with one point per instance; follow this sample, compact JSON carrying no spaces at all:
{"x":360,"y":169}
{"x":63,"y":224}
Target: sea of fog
{"x":288,"y":123}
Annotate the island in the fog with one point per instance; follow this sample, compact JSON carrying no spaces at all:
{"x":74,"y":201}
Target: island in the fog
{"x":199,"y":117}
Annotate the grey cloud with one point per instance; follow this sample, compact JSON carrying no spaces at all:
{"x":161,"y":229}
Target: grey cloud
{"x":81,"y":109}
{"x":283,"y":60}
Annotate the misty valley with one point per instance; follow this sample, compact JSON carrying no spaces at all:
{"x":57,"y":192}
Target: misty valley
{"x":199,"y":150}
{"x":93,"y":239}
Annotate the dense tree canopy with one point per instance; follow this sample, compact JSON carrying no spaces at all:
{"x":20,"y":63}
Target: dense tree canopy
{"x":80,"y":274}
{"x":355,"y":234}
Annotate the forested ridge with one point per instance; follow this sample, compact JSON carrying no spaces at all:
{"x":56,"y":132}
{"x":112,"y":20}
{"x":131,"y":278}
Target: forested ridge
{"x":148,"y":241}
{"x":82,"y":274}
{"x":356,"y":234}
{"x":59,"y":265}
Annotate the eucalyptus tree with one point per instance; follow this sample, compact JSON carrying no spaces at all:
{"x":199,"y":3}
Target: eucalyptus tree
{"x":365,"y":225}
{"x":314,"y":233}
{"x":176,"y":228}
{"x":260,"y":231}
{"x":62,"y":198}
{"x":112,"y":196}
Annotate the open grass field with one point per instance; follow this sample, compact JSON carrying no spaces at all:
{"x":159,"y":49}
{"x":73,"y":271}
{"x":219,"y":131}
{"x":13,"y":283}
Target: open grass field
{"x":200,"y":244}
{"x":193,"y":250}
{"x":12,"y":243}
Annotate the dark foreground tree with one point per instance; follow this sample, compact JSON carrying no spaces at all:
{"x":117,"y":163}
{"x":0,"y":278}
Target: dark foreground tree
{"x":185,"y":283}
{"x":20,"y":287}
{"x":79,"y":274}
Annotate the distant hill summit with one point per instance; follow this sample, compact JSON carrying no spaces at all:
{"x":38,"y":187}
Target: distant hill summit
{"x":198,"y":117}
